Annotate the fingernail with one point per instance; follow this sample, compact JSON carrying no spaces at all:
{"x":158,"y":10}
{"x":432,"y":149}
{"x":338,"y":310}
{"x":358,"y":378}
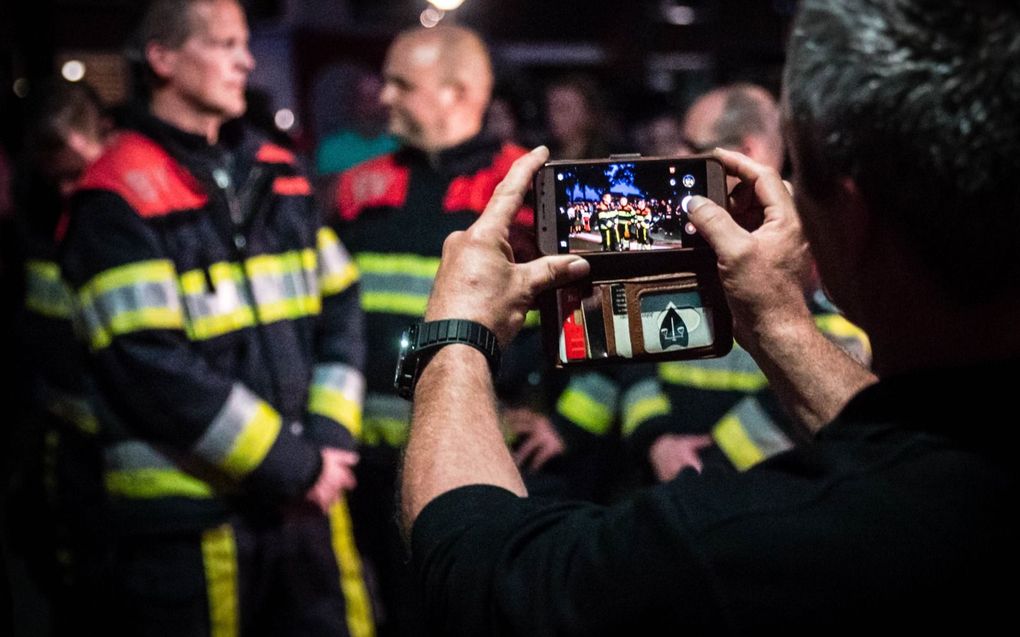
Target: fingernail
{"x":578,"y":267}
{"x":540,"y":147}
{"x":696,"y":202}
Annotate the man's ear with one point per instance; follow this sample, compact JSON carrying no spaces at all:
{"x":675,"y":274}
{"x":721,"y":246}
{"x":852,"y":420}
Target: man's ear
{"x":162,"y":60}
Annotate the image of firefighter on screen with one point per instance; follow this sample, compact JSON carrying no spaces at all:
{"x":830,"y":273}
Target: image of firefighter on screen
{"x":617,"y":207}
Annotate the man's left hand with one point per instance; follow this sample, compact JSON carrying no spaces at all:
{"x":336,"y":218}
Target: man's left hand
{"x":478,"y":279}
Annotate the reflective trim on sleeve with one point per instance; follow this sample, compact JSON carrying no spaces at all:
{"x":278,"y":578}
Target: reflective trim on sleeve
{"x":45,"y":291}
{"x":130,"y":298}
{"x":359,"y":610}
{"x":532,"y":319}
{"x":396,"y":283}
{"x":241,"y":434}
{"x":337,"y":271}
{"x":386,"y":420}
{"x":136,"y":470}
{"x":219,"y":558}
{"x":285,"y":286}
{"x":224,"y":309}
{"x":590,"y":402}
{"x":736,"y":371}
{"x":748,"y":435}
{"x":337,"y":392}
{"x":642,"y":402}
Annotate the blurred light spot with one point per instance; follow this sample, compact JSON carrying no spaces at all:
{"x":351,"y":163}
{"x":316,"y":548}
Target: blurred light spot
{"x":73,"y":70}
{"x":430,"y":17}
{"x":20,"y":87}
{"x":679,"y":13}
{"x":284,"y":119}
{"x":446,"y":5}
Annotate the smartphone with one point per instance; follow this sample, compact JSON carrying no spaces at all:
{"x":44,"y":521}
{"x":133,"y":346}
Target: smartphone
{"x":623,"y":204}
{"x":653,"y":292}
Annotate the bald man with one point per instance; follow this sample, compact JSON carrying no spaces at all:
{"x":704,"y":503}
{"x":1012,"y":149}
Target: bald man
{"x":742,"y":117}
{"x":394,"y":213}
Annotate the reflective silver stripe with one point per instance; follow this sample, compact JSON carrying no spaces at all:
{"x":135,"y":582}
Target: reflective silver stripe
{"x":241,"y":435}
{"x":760,"y":428}
{"x":135,"y":454}
{"x":224,"y":309}
{"x":285,"y":286}
{"x":642,"y":402}
{"x":387,"y":406}
{"x":336,"y":268}
{"x":341,"y":378}
{"x":598,"y":388}
{"x":405,"y":284}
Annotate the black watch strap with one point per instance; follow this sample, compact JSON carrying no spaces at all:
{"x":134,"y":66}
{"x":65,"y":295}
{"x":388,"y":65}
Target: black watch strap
{"x":426,"y":338}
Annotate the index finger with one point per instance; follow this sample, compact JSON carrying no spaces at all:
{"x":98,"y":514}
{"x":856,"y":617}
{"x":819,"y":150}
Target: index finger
{"x":767,"y":183}
{"x":508,"y":197}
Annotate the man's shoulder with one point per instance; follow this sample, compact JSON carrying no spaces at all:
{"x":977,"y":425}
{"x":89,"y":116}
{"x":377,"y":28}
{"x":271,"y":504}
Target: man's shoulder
{"x":380,"y":182}
{"x":144,"y":174}
{"x":472,"y":192}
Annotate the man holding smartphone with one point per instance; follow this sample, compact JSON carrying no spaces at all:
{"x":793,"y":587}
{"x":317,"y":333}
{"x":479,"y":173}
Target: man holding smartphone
{"x":900,"y":512}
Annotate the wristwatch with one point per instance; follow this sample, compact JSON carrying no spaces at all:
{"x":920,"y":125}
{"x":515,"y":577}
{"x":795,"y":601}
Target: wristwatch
{"x":422,"y":340}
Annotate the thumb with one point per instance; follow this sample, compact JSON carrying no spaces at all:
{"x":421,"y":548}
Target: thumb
{"x":552,"y":272}
{"x":717,"y":226}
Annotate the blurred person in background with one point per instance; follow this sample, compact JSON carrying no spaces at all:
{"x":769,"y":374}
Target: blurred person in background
{"x":58,"y":517}
{"x":578,"y":123}
{"x":364,"y":136}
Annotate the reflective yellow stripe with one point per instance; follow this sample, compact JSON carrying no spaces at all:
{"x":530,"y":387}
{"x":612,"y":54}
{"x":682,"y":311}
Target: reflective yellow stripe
{"x":219,"y":557}
{"x":289,"y":309}
{"x":336,"y":270}
{"x":729,"y":434}
{"x":334,"y":283}
{"x":334,"y":405}
{"x":836,"y":325}
{"x":209,"y":315}
{"x":132,"y":274}
{"x":77,"y":412}
{"x":393,"y":303}
{"x":644,"y":410}
{"x":359,"y":611}
{"x":381,"y":430}
{"x":532,"y":318}
{"x":45,"y":291}
{"x":407,"y":264}
{"x":584,"y":411}
{"x":712,"y":379}
{"x":253,"y":443}
{"x":155,"y":483}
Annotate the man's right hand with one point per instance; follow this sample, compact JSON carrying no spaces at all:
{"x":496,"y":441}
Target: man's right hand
{"x":336,"y":476}
{"x":672,"y":453}
{"x":764,"y":259}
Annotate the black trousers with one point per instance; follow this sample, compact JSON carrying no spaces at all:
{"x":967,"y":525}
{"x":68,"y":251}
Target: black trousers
{"x":240,"y":578}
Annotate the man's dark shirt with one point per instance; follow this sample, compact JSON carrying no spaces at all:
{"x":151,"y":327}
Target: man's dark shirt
{"x":899,"y":515}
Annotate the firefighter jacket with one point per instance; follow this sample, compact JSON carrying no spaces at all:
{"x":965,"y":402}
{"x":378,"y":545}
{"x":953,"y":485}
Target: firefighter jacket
{"x":226,"y":341}
{"x":395,"y":212}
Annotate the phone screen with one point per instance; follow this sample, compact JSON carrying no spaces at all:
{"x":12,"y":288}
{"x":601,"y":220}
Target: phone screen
{"x":627,"y":206}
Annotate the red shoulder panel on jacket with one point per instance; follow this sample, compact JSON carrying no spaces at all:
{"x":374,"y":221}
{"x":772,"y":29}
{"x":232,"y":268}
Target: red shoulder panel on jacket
{"x":376,"y":183}
{"x":472,"y":192}
{"x":270,"y":153}
{"x":146,"y":176}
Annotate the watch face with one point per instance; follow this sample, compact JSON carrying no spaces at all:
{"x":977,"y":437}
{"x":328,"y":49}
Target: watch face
{"x":403,"y":379}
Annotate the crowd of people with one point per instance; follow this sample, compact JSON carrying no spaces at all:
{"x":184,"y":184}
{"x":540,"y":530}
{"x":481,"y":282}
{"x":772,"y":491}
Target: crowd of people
{"x":206,"y":438}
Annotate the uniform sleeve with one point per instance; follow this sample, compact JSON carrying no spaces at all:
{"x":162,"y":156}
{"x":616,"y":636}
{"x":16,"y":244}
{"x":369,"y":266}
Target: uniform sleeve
{"x":162,"y":389}
{"x":337,"y":392}
{"x":490,"y":563}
